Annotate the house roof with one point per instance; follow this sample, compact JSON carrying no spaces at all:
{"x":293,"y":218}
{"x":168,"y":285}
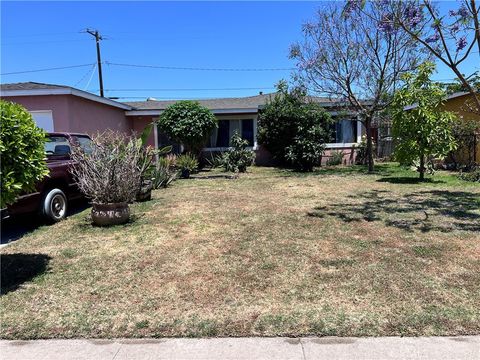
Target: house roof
{"x":38,"y":89}
{"x":218,"y":105}
{"x":30,"y":86}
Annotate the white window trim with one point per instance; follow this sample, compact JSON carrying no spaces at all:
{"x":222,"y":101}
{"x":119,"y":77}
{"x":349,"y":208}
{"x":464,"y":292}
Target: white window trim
{"x":347,"y":145}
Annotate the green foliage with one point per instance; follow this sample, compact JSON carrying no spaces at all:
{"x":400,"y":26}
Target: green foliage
{"x":22,"y":149}
{"x":187,"y":163}
{"x":336,"y":158}
{"x":188,"y":123}
{"x":164,"y":172}
{"x":425,"y":131}
{"x":472,"y":175}
{"x":293,"y":129}
{"x":215,"y":160}
{"x":238,"y":158}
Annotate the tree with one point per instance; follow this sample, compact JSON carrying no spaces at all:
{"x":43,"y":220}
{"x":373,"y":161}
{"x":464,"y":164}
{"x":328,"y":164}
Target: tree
{"x":449,"y":38}
{"x":22,"y":148}
{"x":293,"y":129}
{"x":188,"y":123}
{"x":353,"y":55}
{"x":424,"y":131}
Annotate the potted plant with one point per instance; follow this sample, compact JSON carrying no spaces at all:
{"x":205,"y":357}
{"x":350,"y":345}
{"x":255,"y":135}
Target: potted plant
{"x":187,"y":164}
{"x":109,"y":175}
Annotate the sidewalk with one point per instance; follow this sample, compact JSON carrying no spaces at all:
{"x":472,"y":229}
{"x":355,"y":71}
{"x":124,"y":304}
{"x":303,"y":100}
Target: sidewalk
{"x":386,"y":348}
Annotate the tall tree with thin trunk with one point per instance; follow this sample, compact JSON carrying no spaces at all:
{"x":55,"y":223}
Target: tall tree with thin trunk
{"x":352,"y":53}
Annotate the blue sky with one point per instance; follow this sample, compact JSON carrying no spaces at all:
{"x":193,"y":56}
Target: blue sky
{"x":36,"y":35}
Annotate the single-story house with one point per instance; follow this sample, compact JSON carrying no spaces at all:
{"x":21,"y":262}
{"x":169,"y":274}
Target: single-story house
{"x":63,"y":108}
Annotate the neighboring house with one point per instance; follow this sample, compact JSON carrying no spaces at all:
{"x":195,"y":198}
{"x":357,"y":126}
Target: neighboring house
{"x":66,"y":109}
{"x":63,"y":108}
{"x":468,"y":151}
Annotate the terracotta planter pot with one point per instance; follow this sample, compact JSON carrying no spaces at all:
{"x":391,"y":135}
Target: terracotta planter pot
{"x":110,"y":214}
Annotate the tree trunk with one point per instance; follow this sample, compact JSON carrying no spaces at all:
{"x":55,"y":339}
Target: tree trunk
{"x":368,"y":127}
{"x":422,"y":167}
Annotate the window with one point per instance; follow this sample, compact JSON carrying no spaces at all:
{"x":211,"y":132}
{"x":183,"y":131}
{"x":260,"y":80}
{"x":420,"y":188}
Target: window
{"x":221,"y":136}
{"x":247,"y":131}
{"x":57,"y":146}
{"x":344,"y":131}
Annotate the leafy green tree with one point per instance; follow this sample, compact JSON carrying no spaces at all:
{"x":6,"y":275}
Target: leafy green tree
{"x":22,"y":152}
{"x":188,"y":123}
{"x":424,"y":131}
{"x":292,"y":129}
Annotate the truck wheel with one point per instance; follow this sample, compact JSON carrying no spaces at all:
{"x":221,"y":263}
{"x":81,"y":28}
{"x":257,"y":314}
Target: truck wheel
{"x":54,"y":205}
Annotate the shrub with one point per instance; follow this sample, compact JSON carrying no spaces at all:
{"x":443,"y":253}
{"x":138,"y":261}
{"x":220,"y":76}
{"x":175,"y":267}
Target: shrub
{"x":164,"y":172}
{"x":309,"y":143}
{"x":238,"y":158}
{"x":292,"y":129}
{"x":472,"y":175}
{"x":336,"y":158}
{"x":111,"y":172}
{"x":22,"y":150}
{"x":187,"y":164}
{"x":215,"y":161}
{"x":188,"y":123}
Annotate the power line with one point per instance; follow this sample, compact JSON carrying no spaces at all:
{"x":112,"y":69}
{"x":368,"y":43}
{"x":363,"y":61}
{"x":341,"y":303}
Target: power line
{"x":47,"y":69}
{"x":44,"y":42}
{"x":198,"y":68}
{"x":87,"y":74}
{"x":192,"y":89}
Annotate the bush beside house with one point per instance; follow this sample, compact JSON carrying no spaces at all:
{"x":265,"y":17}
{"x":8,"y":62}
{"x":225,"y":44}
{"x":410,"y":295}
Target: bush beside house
{"x":293,"y":130}
{"x":188,"y":123}
{"x":22,"y":147}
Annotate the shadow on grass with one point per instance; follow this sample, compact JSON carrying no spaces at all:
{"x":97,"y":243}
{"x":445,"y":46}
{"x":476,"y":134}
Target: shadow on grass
{"x":409,"y":180}
{"x":438,"y":210}
{"x":16,"y":227}
{"x":385,"y":169}
{"x":17,"y":269}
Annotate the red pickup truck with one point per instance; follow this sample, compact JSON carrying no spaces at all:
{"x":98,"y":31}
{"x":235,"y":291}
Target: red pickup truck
{"x":52,"y":194}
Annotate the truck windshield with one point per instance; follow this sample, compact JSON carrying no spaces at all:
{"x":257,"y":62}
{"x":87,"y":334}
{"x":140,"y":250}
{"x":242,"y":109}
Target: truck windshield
{"x":84,"y":142}
{"x":57,"y":145}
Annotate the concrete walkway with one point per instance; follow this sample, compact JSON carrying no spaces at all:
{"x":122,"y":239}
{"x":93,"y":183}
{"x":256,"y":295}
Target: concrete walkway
{"x":386,"y":348}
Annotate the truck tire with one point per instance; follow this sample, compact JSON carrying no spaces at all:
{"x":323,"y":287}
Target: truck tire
{"x":54,"y":205}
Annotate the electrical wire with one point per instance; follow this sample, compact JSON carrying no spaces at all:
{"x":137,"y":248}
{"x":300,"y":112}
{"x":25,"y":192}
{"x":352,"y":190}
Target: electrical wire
{"x":91,"y":76}
{"x":197,"y":68}
{"x":47,"y":69}
{"x":86,"y":74}
{"x":193,"y":89}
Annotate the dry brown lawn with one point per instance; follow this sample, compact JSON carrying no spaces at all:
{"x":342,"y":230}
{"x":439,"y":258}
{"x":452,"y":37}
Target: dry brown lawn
{"x":336,"y":252}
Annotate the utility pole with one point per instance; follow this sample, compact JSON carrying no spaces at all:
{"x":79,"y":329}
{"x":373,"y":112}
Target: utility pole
{"x":98,"y":37}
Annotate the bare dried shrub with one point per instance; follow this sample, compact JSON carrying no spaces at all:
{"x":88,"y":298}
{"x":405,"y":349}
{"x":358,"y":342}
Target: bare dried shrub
{"x":110,"y":171}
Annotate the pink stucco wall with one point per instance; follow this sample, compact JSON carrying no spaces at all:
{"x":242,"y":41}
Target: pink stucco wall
{"x":76,"y":114}
{"x":138,"y":124}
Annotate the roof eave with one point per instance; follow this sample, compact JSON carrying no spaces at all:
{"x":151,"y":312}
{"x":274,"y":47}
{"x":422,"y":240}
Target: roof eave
{"x":65,"y":91}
